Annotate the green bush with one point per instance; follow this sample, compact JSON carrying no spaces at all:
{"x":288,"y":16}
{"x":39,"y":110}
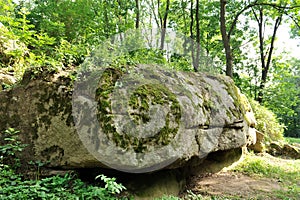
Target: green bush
{"x":267,"y":122}
{"x":13,"y":185}
{"x":56,"y":187}
{"x":10,"y":147}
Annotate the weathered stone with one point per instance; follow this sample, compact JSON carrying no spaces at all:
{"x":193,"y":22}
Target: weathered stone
{"x":259,"y":145}
{"x":284,"y":150}
{"x":140,"y":121}
{"x":291,"y":151}
{"x":6,"y":80}
{"x":158,"y":184}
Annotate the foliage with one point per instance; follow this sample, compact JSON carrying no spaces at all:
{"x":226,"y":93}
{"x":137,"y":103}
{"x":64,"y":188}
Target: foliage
{"x":149,"y":56}
{"x":110,"y":184}
{"x":10,"y":148}
{"x":267,"y":122}
{"x":82,"y":21}
{"x":12,"y":185}
{"x":283,"y":96}
{"x":168,"y":198}
{"x":12,"y":145}
{"x":22,"y":46}
{"x":62,"y":34}
{"x":141,"y":56}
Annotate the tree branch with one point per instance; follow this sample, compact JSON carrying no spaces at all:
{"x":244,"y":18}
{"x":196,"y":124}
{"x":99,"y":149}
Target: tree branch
{"x":256,"y":3}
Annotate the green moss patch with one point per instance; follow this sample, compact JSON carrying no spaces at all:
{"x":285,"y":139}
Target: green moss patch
{"x":139,"y":105}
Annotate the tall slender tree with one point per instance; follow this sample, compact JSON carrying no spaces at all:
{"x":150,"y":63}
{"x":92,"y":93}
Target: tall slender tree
{"x":137,"y":13}
{"x":265,"y":53}
{"x":164,"y":24}
{"x":226,"y":38}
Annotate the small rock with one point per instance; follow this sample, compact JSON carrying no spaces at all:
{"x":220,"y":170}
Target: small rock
{"x":285,"y":150}
{"x":258,"y":147}
{"x":291,"y":151}
{"x":6,"y":79}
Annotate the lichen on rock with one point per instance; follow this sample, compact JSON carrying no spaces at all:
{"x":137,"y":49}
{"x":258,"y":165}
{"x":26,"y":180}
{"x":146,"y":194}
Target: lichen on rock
{"x":139,"y":119}
{"x":141,"y":103}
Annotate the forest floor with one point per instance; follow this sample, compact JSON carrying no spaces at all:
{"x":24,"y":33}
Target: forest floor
{"x":254,"y":177}
{"x":234,"y":185}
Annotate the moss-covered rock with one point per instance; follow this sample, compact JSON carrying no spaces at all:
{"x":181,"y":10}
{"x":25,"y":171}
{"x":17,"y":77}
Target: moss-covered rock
{"x":136,"y":120}
{"x":146,"y":116}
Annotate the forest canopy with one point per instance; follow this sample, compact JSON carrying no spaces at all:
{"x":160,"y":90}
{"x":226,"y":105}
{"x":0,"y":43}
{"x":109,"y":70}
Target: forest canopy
{"x":235,"y":38}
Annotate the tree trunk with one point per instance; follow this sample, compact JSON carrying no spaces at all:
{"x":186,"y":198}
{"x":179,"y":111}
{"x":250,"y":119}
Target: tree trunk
{"x":226,"y":39}
{"x":186,"y":29}
{"x":152,"y":6}
{"x":265,"y":63}
{"x":197,"y":36}
{"x":106,"y":21}
{"x":137,"y":18}
{"x":192,"y":38}
{"x":164,"y":26}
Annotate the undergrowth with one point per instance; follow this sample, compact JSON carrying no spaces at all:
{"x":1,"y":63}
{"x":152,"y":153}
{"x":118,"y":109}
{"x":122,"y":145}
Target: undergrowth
{"x":14,"y":186}
{"x":56,"y":187}
{"x":267,"y":122}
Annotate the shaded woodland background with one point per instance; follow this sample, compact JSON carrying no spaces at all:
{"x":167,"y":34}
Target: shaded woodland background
{"x":236,"y":38}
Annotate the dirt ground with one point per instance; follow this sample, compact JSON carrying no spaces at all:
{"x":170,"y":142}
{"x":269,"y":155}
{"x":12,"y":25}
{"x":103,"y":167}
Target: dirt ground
{"x":233,"y":185}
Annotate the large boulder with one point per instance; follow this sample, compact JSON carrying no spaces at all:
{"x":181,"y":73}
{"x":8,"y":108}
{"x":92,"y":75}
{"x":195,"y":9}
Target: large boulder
{"x":136,"y":120}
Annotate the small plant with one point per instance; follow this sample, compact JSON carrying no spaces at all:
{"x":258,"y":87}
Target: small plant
{"x":111,"y":185}
{"x":38,"y":164}
{"x":13,"y":144}
{"x":11,"y":147}
{"x":12,"y":185}
{"x":168,"y":198}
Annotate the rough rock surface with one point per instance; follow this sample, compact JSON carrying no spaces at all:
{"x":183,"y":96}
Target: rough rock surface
{"x":284,"y":150}
{"x":6,"y":80}
{"x":259,"y":146}
{"x":136,"y":122}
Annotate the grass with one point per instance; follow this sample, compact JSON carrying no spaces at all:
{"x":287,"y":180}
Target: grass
{"x":287,"y":172}
{"x":291,"y":140}
{"x":192,"y":196}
